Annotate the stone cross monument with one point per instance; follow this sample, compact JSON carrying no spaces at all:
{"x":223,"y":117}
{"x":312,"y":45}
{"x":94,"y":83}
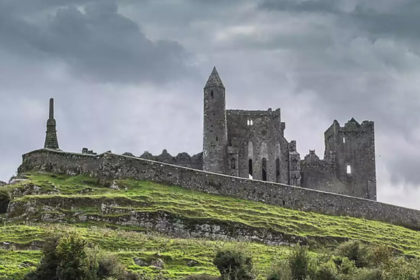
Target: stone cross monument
{"x":51,"y":137}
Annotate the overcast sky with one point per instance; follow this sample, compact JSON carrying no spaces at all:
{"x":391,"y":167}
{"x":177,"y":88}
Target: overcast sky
{"x":128,"y":75}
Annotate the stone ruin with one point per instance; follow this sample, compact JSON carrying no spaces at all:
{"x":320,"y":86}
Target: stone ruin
{"x":251,"y":144}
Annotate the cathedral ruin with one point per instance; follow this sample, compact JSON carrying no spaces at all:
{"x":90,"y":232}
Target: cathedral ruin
{"x":251,"y":144}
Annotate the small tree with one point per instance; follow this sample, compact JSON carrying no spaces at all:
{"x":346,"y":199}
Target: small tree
{"x":47,"y":268}
{"x":233,"y":265}
{"x":299,"y":263}
{"x":354,"y":251}
{"x":327,"y":271}
{"x":73,"y":260}
{"x":68,"y":258}
{"x":281,"y":271}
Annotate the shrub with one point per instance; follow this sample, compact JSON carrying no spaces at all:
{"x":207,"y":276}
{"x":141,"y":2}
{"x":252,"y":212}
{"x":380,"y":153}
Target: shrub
{"x":327,"y":271}
{"x":47,"y":268}
{"x":280,"y":272}
{"x":368,"y":274}
{"x":299,"y":263}
{"x":380,"y":255}
{"x":73,"y":260}
{"x":233,"y":265}
{"x":402,"y":269}
{"x":354,"y":251}
{"x":68,"y":258}
{"x":201,"y":277}
{"x":344,"y":265}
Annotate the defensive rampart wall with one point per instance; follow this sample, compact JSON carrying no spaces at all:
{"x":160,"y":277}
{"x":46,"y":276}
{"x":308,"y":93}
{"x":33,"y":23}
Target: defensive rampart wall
{"x":109,"y":166}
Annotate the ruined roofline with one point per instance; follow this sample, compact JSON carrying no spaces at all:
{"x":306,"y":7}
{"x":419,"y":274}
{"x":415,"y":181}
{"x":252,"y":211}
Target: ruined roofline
{"x":349,"y":125}
{"x":268,"y":112}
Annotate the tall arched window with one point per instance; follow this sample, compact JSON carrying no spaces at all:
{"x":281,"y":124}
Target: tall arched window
{"x":233,"y":163}
{"x":250,"y":171}
{"x":277,"y":170}
{"x":264,"y":169}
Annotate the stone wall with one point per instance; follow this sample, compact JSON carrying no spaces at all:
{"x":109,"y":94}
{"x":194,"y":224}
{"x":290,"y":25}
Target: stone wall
{"x":182,"y":159}
{"x":110,"y":166}
{"x":257,"y":136}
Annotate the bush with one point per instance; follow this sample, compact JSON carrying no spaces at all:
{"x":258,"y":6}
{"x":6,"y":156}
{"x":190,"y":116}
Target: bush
{"x":47,"y":268}
{"x":402,"y":269}
{"x":280,"y":272}
{"x":73,"y":261}
{"x":327,"y":271}
{"x":344,"y":265}
{"x":233,"y":265}
{"x":354,"y":251}
{"x":380,"y":255}
{"x":299,"y":263}
{"x":369,"y":274}
{"x":68,"y":258}
{"x":201,"y":277}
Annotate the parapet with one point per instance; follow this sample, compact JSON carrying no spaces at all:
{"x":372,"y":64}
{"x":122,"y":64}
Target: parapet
{"x":351,"y":126}
{"x":182,"y":159}
{"x":256,"y":113}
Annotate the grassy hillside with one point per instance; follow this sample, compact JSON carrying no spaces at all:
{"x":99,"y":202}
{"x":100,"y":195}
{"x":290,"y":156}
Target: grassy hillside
{"x":70,"y":198}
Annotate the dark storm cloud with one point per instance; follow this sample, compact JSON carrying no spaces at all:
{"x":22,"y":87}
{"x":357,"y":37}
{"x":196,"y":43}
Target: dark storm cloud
{"x":105,"y":62}
{"x":93,"y":40}
{"x":301,"y":6}
{"x":360,"y":68}
{"x":399,"y":19}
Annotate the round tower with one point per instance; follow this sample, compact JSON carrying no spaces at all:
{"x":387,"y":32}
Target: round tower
{"x":215,"y":128}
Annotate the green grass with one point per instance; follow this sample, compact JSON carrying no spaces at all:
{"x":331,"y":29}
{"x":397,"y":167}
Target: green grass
{"x":152,"y":197}
{"x":85,"y":195}
{"x":127,"y":245}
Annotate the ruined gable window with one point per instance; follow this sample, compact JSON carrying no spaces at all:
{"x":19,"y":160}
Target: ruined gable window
{"x":264,"y":169}
{"x":250,"y":122}
{"x":348,"y":169}
{"x":217,"y":138}
{"x":211,"y":93}
{"x":233,"y":163}
{"x":344,"y":140}
{"x":277,"y":170}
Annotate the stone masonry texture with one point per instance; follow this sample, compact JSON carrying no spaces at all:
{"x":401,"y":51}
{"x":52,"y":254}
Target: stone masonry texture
{"x":108,"y":167}
{"x":51,"y":141}
{"x":251,"y":144}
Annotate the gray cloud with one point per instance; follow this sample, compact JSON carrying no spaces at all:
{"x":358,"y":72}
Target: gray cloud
{"x":95,"y":42}
{"x":122,"y":82}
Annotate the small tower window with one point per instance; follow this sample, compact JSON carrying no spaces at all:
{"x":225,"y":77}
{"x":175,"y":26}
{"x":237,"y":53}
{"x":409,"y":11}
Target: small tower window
{"x":211,"y":94}
{"x":344,"y":140}
{"x":217,"y":138}
{"x":348,"y":169}
{"x":277,"y":170}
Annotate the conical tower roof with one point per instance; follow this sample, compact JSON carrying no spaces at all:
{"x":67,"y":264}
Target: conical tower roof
{"x":214,"y":79}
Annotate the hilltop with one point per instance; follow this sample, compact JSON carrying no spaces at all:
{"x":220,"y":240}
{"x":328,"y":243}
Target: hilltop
{"x":142,"y":221}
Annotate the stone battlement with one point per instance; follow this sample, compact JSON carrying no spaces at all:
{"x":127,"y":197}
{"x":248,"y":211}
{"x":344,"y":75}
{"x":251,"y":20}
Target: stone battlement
{"x":108,"y":166}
